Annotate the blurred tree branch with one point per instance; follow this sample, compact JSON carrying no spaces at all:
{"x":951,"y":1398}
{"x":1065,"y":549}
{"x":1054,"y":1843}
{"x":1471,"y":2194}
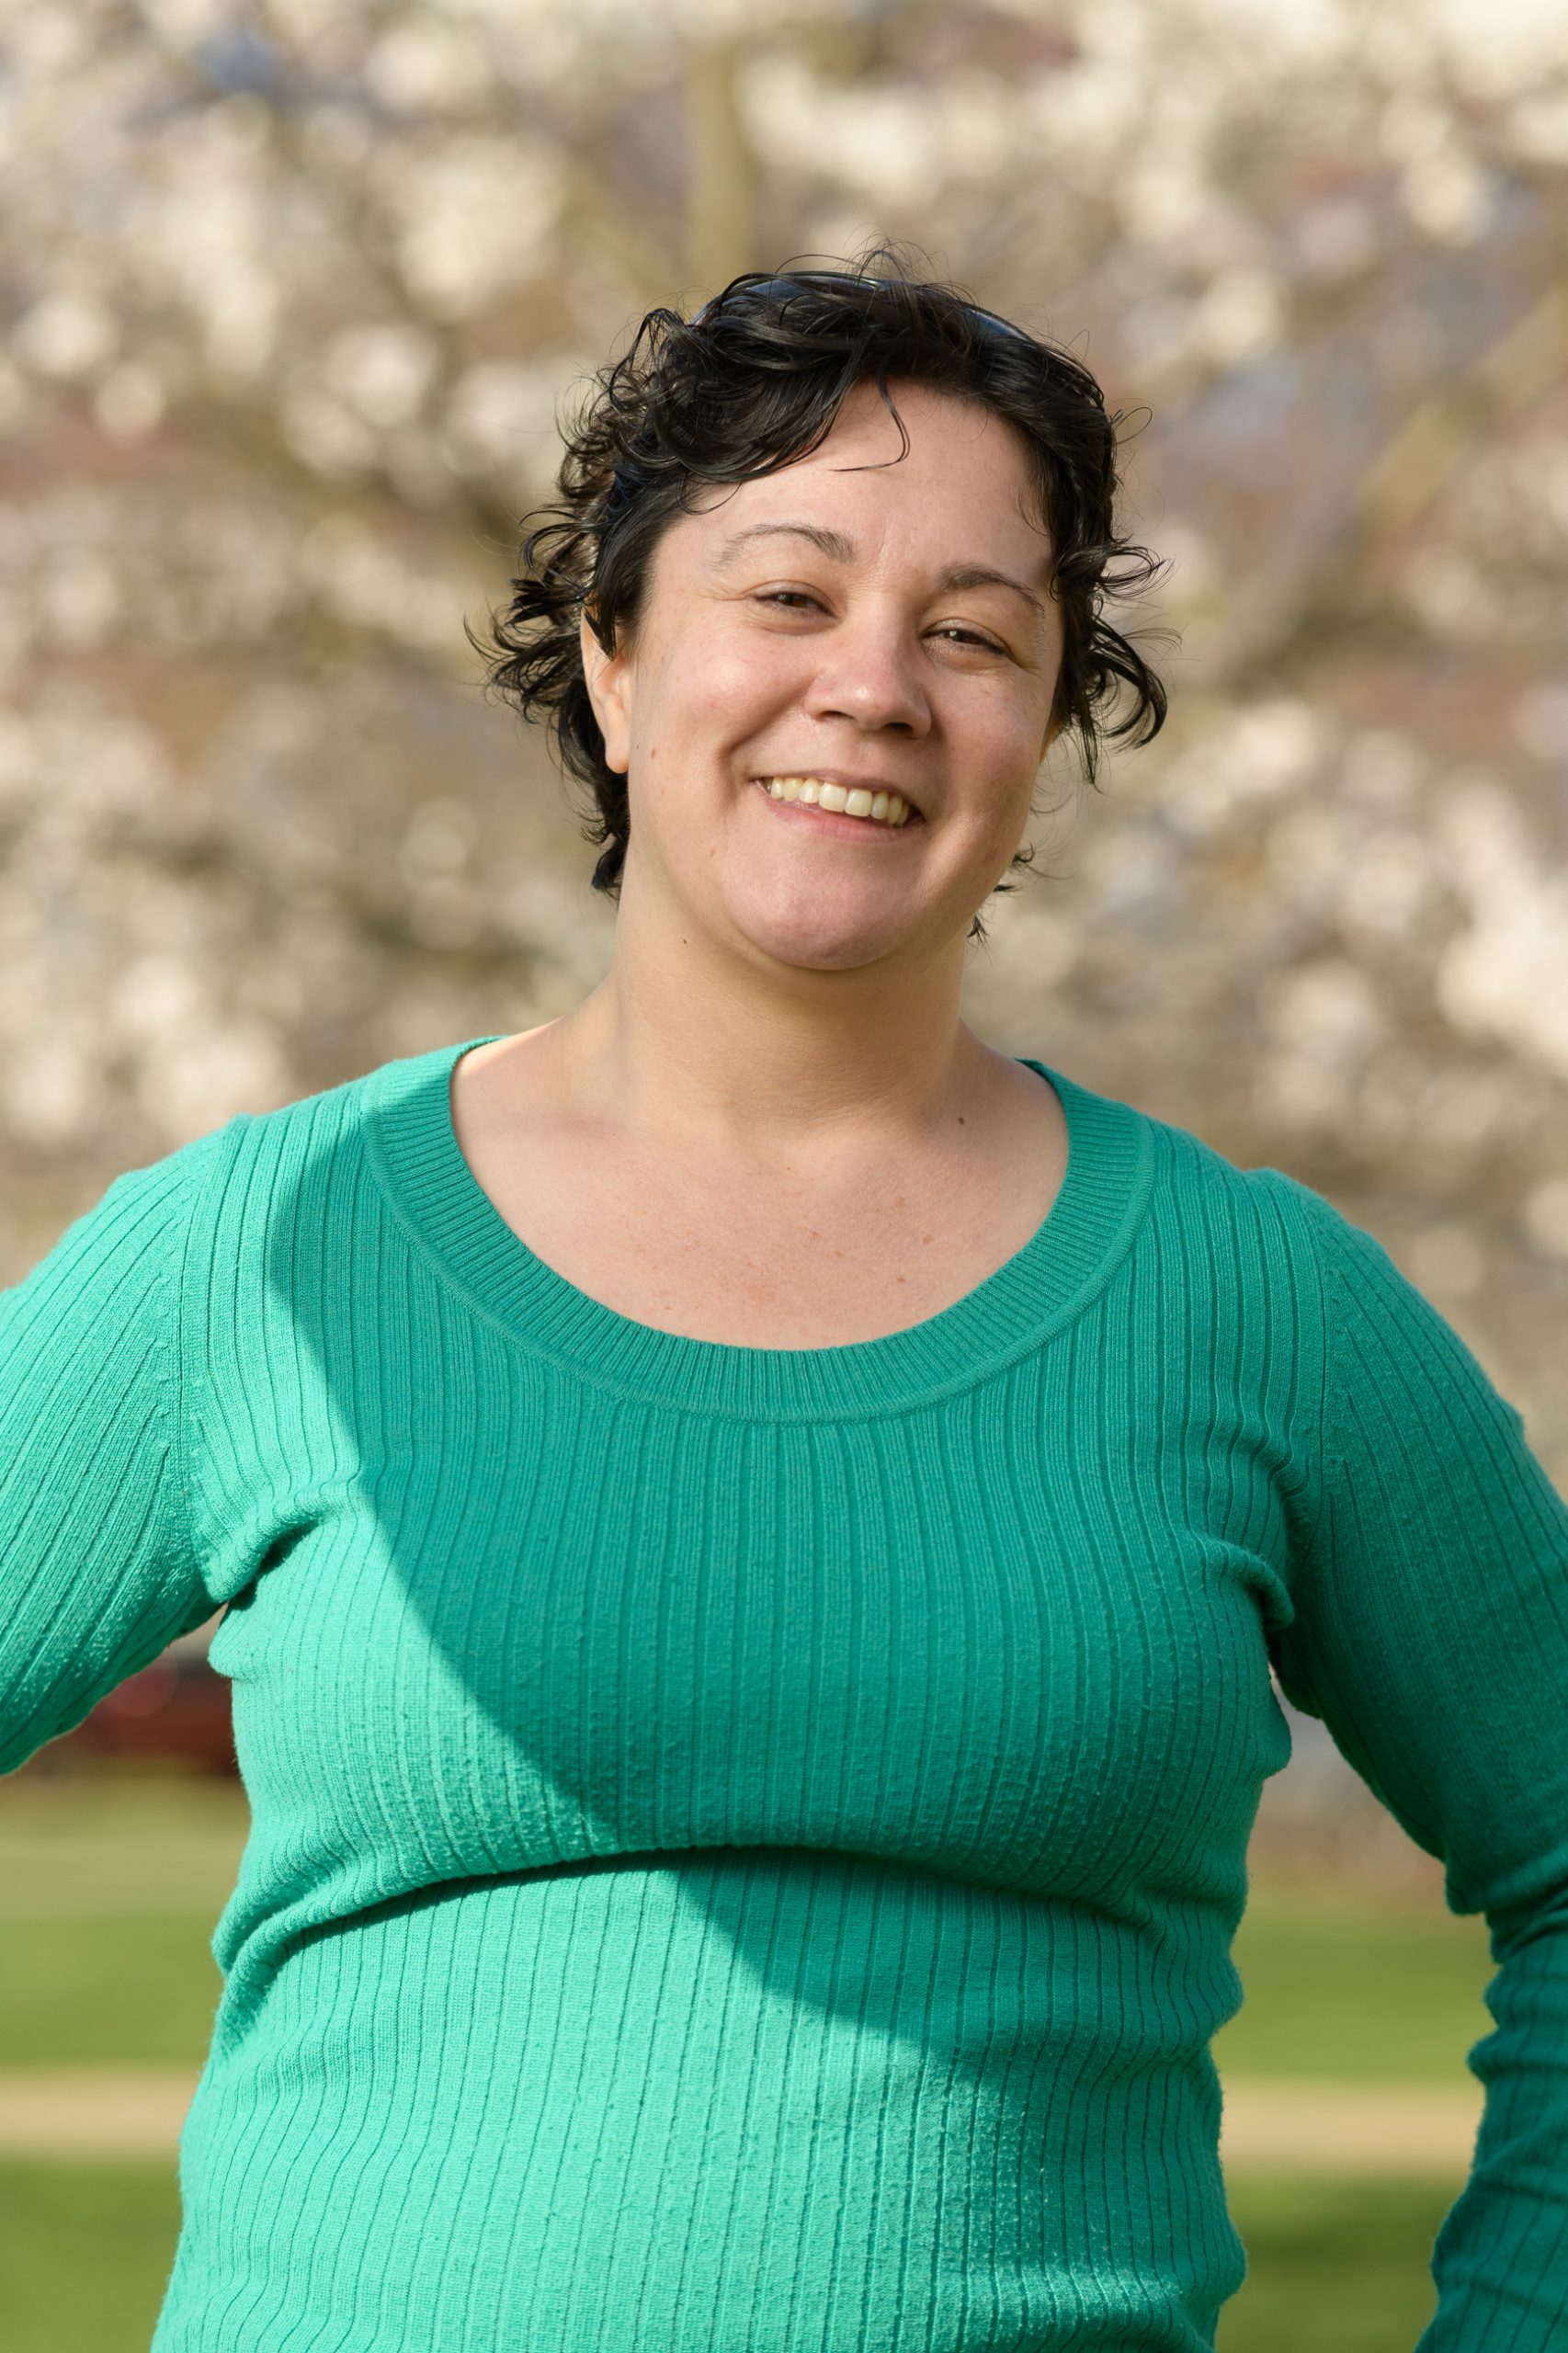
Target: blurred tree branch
{"x":721,"y":198}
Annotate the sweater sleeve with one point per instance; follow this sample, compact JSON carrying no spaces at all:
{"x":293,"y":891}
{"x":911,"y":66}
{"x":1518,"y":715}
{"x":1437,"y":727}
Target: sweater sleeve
{"x":1431,"y":1636}
{"x":98,"y":1571}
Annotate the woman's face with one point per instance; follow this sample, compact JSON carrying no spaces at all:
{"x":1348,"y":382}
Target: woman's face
{"x":889,"y":628}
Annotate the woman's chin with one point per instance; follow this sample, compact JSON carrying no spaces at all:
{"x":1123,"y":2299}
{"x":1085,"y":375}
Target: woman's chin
{"x":817,"y":937}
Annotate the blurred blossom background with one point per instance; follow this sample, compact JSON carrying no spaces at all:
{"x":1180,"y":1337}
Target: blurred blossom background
{"x":294,"y":298}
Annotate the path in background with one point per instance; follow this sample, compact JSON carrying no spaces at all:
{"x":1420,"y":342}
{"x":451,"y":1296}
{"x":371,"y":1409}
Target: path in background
{"x":1335,"y":2128}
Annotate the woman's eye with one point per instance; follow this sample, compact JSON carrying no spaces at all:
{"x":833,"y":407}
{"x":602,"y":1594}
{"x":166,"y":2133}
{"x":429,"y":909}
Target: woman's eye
{"x":790,"y":600}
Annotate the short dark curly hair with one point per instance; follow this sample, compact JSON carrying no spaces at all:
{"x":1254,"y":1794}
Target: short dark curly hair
{"x":751,"y":382}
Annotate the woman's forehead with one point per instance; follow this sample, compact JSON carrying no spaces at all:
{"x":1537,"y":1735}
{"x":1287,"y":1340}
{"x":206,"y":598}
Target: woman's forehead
{"x":956,"y":461}
{"x":940,"y":426}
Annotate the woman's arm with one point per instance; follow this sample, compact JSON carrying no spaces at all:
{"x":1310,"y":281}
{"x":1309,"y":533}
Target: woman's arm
{"x":98,"y":1570}
{"x":1431,"y":1636}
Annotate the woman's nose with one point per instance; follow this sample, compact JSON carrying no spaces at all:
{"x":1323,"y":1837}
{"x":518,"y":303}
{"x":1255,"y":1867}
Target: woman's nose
{"x":869,"y":672}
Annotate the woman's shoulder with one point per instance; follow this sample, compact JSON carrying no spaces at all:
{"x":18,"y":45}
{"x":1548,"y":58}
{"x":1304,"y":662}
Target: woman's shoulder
{"x":1264,"y":1236}
{"x":336,"y":1120}
{"x":1196,"y":1185}
{"x":231,"y":1185}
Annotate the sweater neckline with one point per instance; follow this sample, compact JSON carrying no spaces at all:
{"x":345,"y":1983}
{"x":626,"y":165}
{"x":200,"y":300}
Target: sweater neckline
{"x":447,"y":1212}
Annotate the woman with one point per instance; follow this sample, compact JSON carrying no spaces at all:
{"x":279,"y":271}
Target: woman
{"x":755,"y":1526}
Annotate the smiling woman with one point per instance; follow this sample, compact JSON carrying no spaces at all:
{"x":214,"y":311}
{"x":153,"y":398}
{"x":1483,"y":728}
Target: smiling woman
{"x":754,"y":384}
{"x":755,"y":1526}
{"x":848,"y":656}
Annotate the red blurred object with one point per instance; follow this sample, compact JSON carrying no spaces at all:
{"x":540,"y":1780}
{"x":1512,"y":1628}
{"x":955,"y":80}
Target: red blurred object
{"x":175,"y":1711}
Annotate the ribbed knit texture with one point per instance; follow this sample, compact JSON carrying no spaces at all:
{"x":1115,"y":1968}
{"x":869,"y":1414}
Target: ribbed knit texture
{"x":747,"y":1842}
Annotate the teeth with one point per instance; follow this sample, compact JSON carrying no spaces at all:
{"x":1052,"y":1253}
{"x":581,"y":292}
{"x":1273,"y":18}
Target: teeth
{"x":882,"y":808}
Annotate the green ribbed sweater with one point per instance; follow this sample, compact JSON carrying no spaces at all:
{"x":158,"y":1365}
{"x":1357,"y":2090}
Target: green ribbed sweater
{"x":747,"y":1841}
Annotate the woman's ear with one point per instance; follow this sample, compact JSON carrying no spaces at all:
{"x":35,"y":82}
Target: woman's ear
{"x":605,"y":677}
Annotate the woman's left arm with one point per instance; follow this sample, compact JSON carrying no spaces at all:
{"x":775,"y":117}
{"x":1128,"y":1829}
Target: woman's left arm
{"x":1430,"y":1634}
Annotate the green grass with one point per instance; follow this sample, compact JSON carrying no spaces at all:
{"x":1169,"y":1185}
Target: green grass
{"x":112,"y":1992}
{"x":85,"y":2252}
{"x":1337,"y":1986}
{"x":109,"y":1892}
{"x":108,"y":1896}
{"x":1331,"y":2264}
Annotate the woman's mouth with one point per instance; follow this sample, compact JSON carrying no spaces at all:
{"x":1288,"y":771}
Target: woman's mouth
{"x":824,"y":806}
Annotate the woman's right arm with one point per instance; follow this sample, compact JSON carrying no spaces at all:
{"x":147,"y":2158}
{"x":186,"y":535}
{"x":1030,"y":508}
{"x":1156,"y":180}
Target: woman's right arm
{"x":98,"y":1568}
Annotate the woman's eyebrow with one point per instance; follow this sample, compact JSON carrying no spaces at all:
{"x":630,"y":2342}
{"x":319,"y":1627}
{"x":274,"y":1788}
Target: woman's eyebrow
{"x":832,"y":543}
{"x":985,"y":575}
{"x":841,"y":549}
